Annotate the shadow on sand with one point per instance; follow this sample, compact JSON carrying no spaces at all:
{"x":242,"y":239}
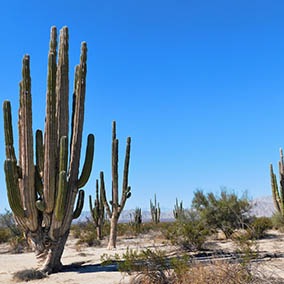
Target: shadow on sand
{"x":83,"y":267}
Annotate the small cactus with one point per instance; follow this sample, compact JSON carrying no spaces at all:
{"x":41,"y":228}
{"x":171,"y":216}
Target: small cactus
{"x":98,"y":211}
{"x":155,"y":211}
{"x":278,"y":196}
{"x":178,"y":211}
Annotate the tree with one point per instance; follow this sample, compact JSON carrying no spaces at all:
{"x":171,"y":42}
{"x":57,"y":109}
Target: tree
{"x":226,"y":212}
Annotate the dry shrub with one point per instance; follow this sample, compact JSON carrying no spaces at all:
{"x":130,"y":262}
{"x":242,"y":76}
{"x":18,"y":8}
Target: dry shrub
{"x":28,"y":275}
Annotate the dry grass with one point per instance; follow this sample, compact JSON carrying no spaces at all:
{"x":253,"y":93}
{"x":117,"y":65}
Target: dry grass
{"x":216,"y":273}
{"x":28,"y":275}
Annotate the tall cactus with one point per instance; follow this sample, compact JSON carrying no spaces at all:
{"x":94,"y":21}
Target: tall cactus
{"x":98,"y":211}
{"x":178,"y":211}
{"x":155,"y":211}
{"x":116,"y":207}
{"x":278,"y":196}
{"x":42,"y":194}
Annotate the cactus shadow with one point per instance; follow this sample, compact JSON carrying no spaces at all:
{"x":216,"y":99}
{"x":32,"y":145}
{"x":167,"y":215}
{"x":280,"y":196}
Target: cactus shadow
{"x":81,"y":267}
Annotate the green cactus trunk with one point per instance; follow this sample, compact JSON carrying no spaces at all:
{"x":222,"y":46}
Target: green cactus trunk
{"x":42,"y":195}
{"x":116,"y":207}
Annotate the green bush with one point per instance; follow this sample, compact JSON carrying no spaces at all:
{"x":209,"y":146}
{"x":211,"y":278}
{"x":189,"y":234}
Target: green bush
{"x":226,"y":212}
{"x":259,"y":227}
{"x":5,"y":235}
{"x":278,"y":221}
{"x":189,"y":232}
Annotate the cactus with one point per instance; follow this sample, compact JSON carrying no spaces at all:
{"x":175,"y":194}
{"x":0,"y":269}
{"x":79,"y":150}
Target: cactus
{"x":116,"y":208}
{"x":155,"y":211}
{"x":42,"y":195}
{"x":278,"y":196}
{"x":98,"y":211}
{"x":178,"y":211}
{"x":137,"y":218}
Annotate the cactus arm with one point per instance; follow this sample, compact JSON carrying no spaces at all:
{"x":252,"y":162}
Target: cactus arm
{"x":39,"y":152}
{"x":62,"y":86}
{"x":61,"y":196}
{"x":50,"y":127}
{"x":91,"y":207}
{"x":115,"y":174}
{"x":87,"y":168}
{"x":26,"y":162}
{"x":103,"y":195}
{"x":9,"y":141}
{"x":80,"y":204}
{"x":125,"y":188}
{"x":274,"y":187}
{"x":13,"y":189}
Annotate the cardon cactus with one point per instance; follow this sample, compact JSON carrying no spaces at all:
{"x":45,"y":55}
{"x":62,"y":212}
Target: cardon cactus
{"x":155,"y":211}
{"x":42,"y":194}
{"x":98,"y":211}
{"x":116,"y":207}
{"x":178,"y":211}
{"x":278,"y":195}
{"x":137,"y":218}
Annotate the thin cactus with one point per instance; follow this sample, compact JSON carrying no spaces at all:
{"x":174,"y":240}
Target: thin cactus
{"x":178,"y":211}
{"x":155,"y":211}
{"x":278,"y":195}
{"x":98,"y":211}
{"x":113,"y":207}
{"x":42,"y":194}
{"x":137,"y":218}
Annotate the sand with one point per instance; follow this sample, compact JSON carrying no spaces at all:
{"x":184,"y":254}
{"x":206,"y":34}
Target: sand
{"x":92,"y":272}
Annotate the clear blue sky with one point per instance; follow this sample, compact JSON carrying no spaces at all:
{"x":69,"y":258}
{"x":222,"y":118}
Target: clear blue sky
{"x":197,"y":84}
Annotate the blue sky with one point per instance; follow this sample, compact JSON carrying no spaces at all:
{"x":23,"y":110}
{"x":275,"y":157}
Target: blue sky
{"x":198,"y":85}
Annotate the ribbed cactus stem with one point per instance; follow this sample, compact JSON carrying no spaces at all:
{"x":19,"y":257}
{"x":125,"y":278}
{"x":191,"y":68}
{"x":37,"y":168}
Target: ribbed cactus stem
{"x":87,"y":168}
{"x":50,"y":126}
{"x":26,"y":158}
{"x":80,"y":203}
{"x":61,"y":196}
{"x":39,"y":152}
{"x":9,"y":141}
{"x":13,"y":189}
{"x":63,"y":156}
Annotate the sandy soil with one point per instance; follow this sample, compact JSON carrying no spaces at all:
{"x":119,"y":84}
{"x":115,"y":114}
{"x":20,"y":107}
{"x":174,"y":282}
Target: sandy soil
{"x":92,"y":272}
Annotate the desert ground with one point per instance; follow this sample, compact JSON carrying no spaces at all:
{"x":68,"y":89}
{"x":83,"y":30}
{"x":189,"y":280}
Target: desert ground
{"x":83,"y":264}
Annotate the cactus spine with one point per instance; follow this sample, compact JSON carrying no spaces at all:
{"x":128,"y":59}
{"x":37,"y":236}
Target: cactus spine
{"x":178,"y":211}
{"x":98,"y":211}
{"x":155,"y":211}
{"x":42,"y":195}
{"x":116,"y":208}
{"x":278,"y":196}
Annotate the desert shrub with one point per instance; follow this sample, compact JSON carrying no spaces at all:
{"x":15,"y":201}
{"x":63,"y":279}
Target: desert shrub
{"x":189,"y":232}
{"x":154,"y":267}
{"x":259,"y":227}
{"x":89,"y":238}
{"x":19,"y":244}
{"x":28,"y":275}
{"x":226,"y":212}
{"x":5,"y":235}
{"x":278,"y":221}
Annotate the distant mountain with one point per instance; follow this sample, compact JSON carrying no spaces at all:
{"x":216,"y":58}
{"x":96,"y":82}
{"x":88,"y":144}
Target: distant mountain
{"x":262,"y":206}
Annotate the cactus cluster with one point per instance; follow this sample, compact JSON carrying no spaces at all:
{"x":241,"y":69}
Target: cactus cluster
{"x":98,"y":211}
{"x":278,"y":195}
{"x":155,"y":211}
{"x":114,"y":207}
{"x":42,"y":194}
{"x":178,"y":211}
